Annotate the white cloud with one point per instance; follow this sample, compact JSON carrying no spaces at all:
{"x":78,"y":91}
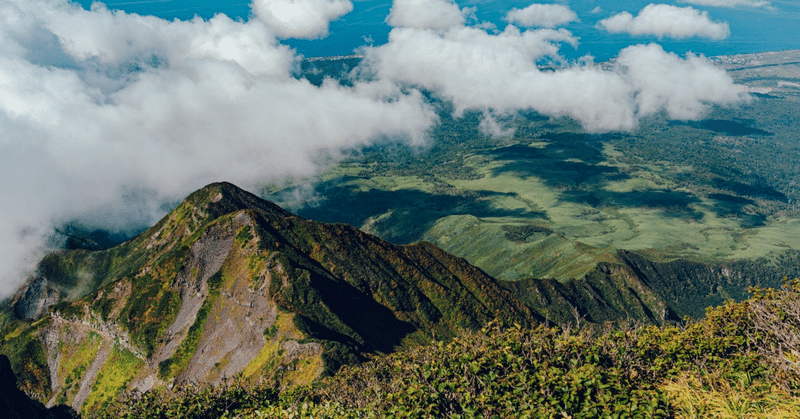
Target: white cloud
{"x":664,"y":20}
{"x":425,"y":14}
{"x":305,"y":19}
{"x":542,"y":15}
{"x":477,"y":70}
{"x":144,"y":110}
{"x":683,"y":87}
{"x":729,"y":3}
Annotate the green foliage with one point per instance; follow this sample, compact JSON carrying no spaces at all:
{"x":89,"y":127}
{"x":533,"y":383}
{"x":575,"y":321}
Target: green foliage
{"x":188,"y":402}
{"x":118,"y":370}
{"x":245,"y":235}
{"x":149,"y":311}
{"x":735,"y":363}
{"x":214,"y":281}
{"x":170,"y":263}
{"x":69,"y":310}
{"x":516,"y":372}
{"x":173,"y":365}
{"x":27,"y":355}
{"x":522,"y":233}
{"x":104,"y":306}
{"x":270,"y":332}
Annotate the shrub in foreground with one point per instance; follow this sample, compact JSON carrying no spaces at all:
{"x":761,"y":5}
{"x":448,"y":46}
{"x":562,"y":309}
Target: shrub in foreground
{"x":742,"y":360}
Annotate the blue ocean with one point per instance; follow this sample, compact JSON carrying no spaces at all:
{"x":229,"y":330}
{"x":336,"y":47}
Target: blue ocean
{"x":753,"y":29}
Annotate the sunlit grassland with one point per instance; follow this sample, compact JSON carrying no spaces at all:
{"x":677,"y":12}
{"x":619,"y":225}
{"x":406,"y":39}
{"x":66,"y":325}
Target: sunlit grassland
{"x":642,"y":208}
{"x":394,"y":183}
{"x":118,"y":370}
{"x":272,"y":361}
{"x":483,"y":242}
{"x":695,"y":231}
{"x":75,"y":358}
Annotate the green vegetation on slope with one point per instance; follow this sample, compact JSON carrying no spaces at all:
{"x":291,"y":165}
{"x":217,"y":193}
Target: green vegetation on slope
{"x":741,"y":361}
{"x":112,"y":379}
{"x":27,"y":356}
{"x":148,"y":312}
{"x":175,"y":364}
{"x":75,"y":361}
{"x":224,"y":261}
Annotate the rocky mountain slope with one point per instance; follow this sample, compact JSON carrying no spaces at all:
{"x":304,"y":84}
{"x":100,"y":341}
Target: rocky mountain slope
{"x":228,"y":284}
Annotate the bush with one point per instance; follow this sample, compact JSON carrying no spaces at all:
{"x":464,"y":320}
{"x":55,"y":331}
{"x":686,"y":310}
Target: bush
{"x":741,"y":361}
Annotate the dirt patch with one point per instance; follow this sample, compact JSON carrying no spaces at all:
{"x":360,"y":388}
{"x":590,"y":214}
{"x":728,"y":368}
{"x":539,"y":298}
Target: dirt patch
{"x":234,"y":332}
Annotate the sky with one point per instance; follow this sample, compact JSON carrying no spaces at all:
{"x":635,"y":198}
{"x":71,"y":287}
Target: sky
{"x":109,"y":113}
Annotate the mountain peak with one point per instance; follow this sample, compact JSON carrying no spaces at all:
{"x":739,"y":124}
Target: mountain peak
{"x":221,"y":198}
{"x":228,"y":283}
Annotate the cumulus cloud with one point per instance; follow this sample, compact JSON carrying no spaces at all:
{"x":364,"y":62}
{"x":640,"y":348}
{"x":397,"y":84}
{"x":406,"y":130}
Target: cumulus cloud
{"x":425,"y":14}
{"x":664,"y":20}
{"x":542,"y":15}
{"x":498,"y":73}
{"x":729,"y":3}
{"x":105,"y":116}
{"x":683,"y":87}
{"x":304,"y":19}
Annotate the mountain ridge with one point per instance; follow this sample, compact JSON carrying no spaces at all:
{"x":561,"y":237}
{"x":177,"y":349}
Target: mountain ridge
{"x":230,"y":284}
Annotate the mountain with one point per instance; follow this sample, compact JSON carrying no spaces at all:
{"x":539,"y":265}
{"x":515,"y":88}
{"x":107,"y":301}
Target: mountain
{"x":229,"y":284}
{"x":632,"y":287}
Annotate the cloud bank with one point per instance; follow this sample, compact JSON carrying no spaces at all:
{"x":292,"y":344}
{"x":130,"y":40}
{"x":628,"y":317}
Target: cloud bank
{"x":542,"y":15}
{"x":497,"y":73}
{"x":664,"y":20}
{"x":106,"y":116}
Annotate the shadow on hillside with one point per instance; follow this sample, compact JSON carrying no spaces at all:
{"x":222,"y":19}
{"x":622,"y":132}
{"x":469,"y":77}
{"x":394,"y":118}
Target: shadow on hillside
{"x":375,"y":326}
{"x":728,"y":205}
{"x":752,"y":191}
{"x":572,"y":165}
{"x":568,"y":161}
{"x":413,"y":211}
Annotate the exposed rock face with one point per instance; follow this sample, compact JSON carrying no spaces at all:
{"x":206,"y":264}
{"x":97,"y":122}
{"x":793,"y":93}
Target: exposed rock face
{"x":35,"y":298}
{"x":15,"y":404}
